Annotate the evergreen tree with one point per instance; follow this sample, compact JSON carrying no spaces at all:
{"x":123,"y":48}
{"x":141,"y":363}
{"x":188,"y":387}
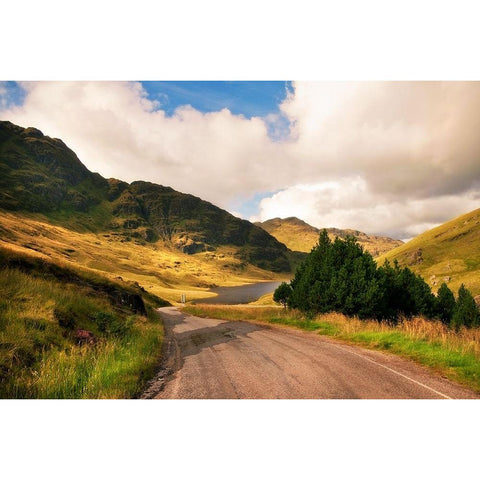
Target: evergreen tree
{"x":341,"y":276}
{"x":445,"y":303}
{"x":466,"y":311}
{"x":282,"y":294}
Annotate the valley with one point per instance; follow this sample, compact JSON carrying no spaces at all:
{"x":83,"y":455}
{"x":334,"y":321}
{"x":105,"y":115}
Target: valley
{"x":86,"y":262}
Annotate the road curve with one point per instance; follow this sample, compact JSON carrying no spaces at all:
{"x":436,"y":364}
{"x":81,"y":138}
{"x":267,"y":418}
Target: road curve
{"x":207,"y":358}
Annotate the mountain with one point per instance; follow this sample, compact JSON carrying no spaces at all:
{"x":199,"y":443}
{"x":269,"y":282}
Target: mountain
{"x":448,"y":253}
{"x":299,"y":236}
{"x":41,"y":175}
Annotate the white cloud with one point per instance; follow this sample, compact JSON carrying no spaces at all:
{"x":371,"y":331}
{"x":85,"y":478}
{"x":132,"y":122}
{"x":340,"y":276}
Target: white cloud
{"x":379,"y":156}
{"x":116,"y":130}
{"x":348,"y":203}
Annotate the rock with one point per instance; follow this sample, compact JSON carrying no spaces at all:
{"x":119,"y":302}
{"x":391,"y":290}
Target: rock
{"x":416,"y":257}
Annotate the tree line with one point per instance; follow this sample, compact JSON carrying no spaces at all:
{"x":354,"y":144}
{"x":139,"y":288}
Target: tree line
{"x":340,"y":276}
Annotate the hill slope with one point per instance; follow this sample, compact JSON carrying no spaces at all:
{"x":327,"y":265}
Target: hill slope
{"x":300,"y":236}
{"x":42,"y":178}
{"x":448,"y":253}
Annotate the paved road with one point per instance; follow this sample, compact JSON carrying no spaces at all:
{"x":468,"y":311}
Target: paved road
{"x":206,"y":358}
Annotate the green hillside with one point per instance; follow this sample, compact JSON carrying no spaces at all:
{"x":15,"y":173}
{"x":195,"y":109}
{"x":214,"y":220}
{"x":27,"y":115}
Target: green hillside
{"x":300,"y":236}
{"x":69,"y":333}
{"x":41,"y":175}
{"x":448,"y":253}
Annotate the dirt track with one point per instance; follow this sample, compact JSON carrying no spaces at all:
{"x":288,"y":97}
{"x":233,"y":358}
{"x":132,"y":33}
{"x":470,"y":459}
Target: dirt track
{"x":206,"y":358}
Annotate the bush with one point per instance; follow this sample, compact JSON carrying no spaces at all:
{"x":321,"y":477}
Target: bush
{"x":282,"y":294}
{"x":341,"y":276}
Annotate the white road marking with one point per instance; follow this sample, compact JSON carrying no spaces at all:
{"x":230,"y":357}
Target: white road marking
{"x":394,"y":371}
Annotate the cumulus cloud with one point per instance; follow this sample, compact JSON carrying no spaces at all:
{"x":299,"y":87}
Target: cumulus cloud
{"x":116,"y":130}
{"x":383,"y":157}
{"x":349,"y":203}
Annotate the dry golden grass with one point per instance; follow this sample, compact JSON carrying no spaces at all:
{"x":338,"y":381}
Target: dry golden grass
{"x":160,"y":269}
{"x":418,"y":328}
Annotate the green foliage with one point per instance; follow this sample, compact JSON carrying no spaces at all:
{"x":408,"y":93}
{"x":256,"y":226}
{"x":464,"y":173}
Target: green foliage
{"x":341,"y":276}
{"x":445,"y":303}
{"x":466,"y":311}
{"x":282,"y":294}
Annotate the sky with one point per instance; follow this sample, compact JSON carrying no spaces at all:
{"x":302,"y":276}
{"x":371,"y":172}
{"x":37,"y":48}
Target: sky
{"x":388,"y":158}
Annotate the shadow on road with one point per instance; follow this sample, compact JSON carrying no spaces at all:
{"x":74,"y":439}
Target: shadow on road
{"x":191,"y":341}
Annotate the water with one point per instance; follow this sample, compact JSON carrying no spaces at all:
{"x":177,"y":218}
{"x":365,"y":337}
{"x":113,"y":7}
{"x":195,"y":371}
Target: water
{"x":242,"y":294}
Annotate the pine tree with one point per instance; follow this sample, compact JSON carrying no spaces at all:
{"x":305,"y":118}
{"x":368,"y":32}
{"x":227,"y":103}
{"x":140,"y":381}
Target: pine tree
{"x":445,"y":304}
{"x":466,"y":311}
{"x":341,"y":276}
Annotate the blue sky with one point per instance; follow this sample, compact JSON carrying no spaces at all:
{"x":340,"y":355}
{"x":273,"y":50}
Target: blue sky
{"x":13,"y":94}
{"x":251,"y":99}
{"x":241,"y":98}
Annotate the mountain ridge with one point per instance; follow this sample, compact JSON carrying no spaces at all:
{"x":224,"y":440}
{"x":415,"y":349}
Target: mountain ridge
{"x":298,"y":235}
{"x":42,"y":175}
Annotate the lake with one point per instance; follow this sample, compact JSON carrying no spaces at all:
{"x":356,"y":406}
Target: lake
{"x":243,"y":294}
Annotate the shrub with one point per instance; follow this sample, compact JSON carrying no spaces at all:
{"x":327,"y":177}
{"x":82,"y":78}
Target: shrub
{"x":282,"y":294}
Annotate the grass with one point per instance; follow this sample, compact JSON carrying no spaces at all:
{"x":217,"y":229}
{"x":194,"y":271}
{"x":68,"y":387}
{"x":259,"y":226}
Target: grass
{"x":41,"y":355}
{"x":449,"y":252}
{"x":164,"y":271}
{"x":430,"y":343}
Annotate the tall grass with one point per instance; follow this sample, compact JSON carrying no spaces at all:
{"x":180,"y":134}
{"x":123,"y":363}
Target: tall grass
{"x":112,"y":369}
{"x":41,"y":359}
{"x":453,"y":354}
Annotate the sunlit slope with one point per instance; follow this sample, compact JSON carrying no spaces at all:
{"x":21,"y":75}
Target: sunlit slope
{"x":42,"y":176}
{"x":162,"y":270}
{"x":448,"y":253}
{"x":169,"y":242}
{"x":300,"y":236}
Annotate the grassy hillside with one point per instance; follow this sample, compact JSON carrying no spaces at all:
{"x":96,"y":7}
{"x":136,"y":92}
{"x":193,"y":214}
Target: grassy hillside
{"x":448,"y":253}
{"x":41,"y":176}
{"x":65,"y":333}
{"x":159,"y":268}
{"x":300,"y":236}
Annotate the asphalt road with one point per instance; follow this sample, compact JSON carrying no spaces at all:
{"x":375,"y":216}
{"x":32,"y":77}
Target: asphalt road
{"x":206,"y":358}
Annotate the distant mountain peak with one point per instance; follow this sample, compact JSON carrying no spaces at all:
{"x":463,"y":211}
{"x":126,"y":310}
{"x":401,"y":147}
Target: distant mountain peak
{"x":298,"y":235}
